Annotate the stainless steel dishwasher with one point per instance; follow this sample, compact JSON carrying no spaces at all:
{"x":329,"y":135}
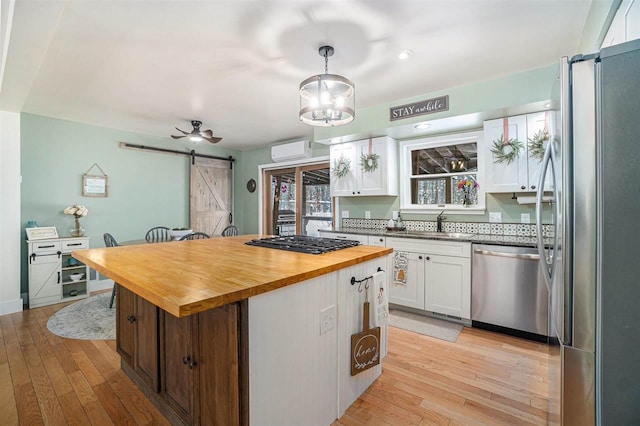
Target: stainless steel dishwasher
{"x":508,"y":292}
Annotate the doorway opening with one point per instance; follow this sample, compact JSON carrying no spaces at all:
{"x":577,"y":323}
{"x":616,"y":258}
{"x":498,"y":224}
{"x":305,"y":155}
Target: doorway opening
{"x":297,"y":200}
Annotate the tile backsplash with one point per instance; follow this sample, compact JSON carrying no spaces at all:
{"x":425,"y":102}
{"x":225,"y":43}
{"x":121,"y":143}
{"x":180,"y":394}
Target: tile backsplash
{"x":514,"y":229}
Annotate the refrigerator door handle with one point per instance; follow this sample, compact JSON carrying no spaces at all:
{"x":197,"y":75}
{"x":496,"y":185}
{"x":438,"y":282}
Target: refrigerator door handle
{"x":546,"y":260}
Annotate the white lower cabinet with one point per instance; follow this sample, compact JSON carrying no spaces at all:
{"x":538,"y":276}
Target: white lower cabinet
{"x":54,"y":276}
{"x":432,"y":275}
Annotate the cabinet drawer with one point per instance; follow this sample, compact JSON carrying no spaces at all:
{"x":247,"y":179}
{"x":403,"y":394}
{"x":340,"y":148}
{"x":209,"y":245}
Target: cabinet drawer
{"x":70,"y":245}
{"x":377,"y":240}
{"x":46,"y":247}
{"x":363,"y":239}
{"x":445,"y":248}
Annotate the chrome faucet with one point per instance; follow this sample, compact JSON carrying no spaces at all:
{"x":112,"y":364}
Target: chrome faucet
{"x":440,"y":219}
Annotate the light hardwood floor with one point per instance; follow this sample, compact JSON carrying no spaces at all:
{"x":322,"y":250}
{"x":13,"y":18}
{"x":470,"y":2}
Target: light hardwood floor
{"x":483,"y":378}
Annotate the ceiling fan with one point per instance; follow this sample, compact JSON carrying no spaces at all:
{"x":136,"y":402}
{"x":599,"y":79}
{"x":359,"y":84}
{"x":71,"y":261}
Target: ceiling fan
{"x":197,"y":135}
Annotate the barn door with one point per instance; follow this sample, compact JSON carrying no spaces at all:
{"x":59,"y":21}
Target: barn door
{"x":211,"y":195}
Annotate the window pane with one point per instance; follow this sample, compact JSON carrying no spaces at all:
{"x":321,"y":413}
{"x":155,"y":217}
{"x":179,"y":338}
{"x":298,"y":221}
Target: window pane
{"x":445,"y":159}
{"x":442,"y":190}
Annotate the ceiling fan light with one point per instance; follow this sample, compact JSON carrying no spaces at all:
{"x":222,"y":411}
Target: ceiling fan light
{"x":327,"y":99}
{"x":195,"y":138}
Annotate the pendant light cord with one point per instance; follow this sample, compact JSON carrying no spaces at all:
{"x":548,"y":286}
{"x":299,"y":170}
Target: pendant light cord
{"x":326,"y":62}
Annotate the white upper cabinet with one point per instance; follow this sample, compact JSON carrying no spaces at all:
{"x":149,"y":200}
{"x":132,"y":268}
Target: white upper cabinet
{"x":369,"y":168}
{"x":625,"y":25}
{"x":523,"y":173}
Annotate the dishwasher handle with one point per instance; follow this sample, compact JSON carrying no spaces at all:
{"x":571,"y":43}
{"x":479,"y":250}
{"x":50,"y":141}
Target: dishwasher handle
{"x":503,"y":254}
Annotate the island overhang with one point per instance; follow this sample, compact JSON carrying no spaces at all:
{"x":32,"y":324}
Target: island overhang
{"x":187,"y":277}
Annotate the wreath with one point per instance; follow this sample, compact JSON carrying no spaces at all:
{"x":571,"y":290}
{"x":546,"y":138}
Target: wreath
{"x":502,"y":156}
{"x":536,"y":144}
{"x":341,"y":166}
{"x":369,"y":162}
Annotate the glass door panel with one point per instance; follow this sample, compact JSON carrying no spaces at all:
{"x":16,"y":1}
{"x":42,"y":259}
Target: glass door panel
{"x":316,"y":200}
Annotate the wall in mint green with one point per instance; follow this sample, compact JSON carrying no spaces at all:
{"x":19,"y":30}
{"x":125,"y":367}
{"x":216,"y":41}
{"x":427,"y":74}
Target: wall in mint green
{"x":492,"y":95}
{"x":146,"y":188}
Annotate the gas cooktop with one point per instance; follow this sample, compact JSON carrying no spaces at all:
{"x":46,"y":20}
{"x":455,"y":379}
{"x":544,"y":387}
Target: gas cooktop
{"x":303,"y":244}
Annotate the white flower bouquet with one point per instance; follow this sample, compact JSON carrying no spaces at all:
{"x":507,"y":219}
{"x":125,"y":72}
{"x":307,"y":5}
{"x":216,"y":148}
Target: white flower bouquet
{"x":76,"y":210}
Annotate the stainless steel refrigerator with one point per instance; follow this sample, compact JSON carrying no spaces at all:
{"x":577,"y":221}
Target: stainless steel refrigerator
{"x":592,"y":266}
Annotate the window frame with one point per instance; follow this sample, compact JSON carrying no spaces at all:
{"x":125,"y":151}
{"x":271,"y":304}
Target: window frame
{"x":406,"y":176}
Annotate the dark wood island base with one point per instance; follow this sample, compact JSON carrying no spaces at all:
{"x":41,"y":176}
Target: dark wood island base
{"x":194,"y":369}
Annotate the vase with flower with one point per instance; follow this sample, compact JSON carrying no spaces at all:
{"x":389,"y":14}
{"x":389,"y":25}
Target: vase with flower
{"x":77,"y":211}
{"x":467,"y":185}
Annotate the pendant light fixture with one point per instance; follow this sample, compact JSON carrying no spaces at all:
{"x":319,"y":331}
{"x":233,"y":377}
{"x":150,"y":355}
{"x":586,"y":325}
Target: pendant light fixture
{"x":327,"y":99}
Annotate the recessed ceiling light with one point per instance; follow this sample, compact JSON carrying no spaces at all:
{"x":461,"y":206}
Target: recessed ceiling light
{"x":547,"y":105}
{"x":422,"y":126}
{"x":405,"y":54}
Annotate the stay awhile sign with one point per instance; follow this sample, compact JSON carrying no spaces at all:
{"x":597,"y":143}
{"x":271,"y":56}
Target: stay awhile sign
{"x":419,"y":108}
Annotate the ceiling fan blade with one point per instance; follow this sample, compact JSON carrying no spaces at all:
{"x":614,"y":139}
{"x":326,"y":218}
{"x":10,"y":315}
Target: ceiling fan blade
{"x":206,"y":133}
{"x":182,"y":131}
{"x":177,"y":137}
{"x":213,"y":140}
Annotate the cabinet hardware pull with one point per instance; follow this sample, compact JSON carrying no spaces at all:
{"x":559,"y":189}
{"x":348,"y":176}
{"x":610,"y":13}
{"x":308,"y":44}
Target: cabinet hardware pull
{"x":533,"y":187}
{"x":131,"y":319}
{"x":428,"y":258}
{"x":58,"y":277}
{"x":75,"y":244}
{"x":189,"y":362}
{"x":420,"y":257}
{"x":46,"y":246}
{"x":522,"y":187}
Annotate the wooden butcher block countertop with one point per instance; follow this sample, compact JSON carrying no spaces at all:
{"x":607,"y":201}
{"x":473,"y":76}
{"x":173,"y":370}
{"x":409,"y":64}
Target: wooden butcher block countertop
{"x":187,"y":277}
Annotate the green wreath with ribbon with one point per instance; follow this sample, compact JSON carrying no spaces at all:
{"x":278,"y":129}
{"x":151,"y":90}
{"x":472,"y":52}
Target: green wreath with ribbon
{"x":506,"y":156}
{"x":341,"y":166}
{"x":536,"y":144}
{"x":369,"y":162}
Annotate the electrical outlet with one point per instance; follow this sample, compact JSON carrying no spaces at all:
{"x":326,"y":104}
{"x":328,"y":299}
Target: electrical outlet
{"x":327,"y":319}
{"x":394,"y":214}
{"x":345,"y":214}
{"x":525,"y":218}
{"x":367,"y":214}
{"x":495,"y":217}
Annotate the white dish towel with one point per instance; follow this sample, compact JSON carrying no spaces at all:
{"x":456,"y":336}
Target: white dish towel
{"x":380,"y":301}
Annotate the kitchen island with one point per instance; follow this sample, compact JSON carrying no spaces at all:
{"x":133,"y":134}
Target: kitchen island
{"x":218,"y":332}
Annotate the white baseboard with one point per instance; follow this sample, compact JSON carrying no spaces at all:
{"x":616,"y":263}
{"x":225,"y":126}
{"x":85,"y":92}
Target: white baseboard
{"x":10,"y":306}
{"x":95,"y":285}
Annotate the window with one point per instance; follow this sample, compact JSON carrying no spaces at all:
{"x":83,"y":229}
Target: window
{"x":431,"y":170}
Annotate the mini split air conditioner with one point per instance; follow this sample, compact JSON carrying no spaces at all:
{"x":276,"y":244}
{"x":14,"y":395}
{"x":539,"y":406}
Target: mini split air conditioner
{"x":291,"y":151}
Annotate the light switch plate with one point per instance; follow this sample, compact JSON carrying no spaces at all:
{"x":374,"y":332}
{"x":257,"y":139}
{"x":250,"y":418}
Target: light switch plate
{"x":345,"y":214}
{"x":367,"y":214}
{"x":525,"y":218}
{"x":495,"y":217}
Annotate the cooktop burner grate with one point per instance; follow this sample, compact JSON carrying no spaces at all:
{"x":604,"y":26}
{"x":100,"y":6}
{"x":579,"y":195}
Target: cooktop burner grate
{"x":303,"y":244}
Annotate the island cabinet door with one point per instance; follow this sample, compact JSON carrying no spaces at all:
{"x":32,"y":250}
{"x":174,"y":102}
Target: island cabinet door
{"x":125,"y":324}
{"x":146,"y":342}
{"x":178,"y":363}
{"x":219,"y":374}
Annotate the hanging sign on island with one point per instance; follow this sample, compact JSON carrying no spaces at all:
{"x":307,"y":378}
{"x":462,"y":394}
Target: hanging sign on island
{"x":419,"y":108}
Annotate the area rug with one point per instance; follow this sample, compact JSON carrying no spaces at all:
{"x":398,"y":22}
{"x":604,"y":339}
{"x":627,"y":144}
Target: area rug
{"x":428,"y":326}
{"x":87,"y":319}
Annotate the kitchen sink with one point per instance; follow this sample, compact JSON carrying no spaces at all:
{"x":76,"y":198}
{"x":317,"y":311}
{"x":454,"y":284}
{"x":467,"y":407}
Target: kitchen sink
{"x":433,"y":234}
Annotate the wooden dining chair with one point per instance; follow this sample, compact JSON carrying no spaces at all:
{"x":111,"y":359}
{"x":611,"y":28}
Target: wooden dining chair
{"x":110,"y":241}
{"x":158,"y":234}
{"x":230,"y":231}
{"x":195,"y":236}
